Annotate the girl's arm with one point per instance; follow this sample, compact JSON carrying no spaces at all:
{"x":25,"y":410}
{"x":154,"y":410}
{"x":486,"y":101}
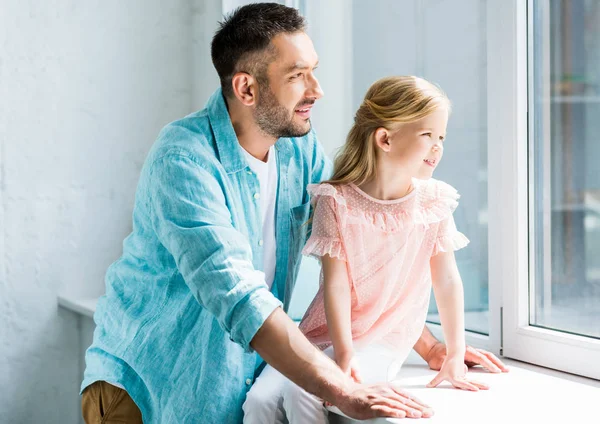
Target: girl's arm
{"x":448,"y":290}
{"x":337,"y":299}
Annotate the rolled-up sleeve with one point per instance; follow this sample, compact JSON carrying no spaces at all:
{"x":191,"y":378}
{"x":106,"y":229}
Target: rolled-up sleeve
{"x":191,"y":219}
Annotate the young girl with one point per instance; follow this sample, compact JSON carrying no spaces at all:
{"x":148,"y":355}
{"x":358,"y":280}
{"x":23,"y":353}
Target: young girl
{"x":384,"y":232}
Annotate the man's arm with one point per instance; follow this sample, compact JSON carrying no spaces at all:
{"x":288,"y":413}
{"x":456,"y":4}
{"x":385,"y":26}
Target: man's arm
{"x":426,"y":343}
{"x":281,"y":344}
{"x":190,"y":216}
{"x":434,"y":353}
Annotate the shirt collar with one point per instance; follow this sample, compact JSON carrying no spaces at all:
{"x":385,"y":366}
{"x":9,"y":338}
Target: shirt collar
{"x":228,"y":146}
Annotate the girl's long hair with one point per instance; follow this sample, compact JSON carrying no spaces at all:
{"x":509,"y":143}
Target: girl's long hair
{"x":389,"y":102}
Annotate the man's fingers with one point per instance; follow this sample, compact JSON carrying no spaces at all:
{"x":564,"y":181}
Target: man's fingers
{"x":413,"y":408}
{"x":398,"y":405}
{"x":408,"y":396}
{"x":425,"y":410}
{"x":386,"y":411}
{"x":495,"y":360}
{"x":383,"y":400}
{"x":488,"y":364}
{"x":395,"y":399}
{"x":480,"y":358}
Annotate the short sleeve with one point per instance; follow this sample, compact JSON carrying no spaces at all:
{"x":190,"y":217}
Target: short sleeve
{"x":448,"y":238}
{"x":325,"y":238}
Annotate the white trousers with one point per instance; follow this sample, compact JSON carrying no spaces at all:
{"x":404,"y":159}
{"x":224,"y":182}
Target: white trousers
{"x":273,"y":397}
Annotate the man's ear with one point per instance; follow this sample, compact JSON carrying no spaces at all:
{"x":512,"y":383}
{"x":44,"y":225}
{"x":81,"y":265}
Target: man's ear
{"x":382,"y":139}
{"x":245,"y":88}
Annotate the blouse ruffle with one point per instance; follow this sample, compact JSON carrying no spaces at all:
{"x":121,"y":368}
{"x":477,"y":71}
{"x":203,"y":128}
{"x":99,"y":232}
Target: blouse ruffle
{"x":436,"y":201}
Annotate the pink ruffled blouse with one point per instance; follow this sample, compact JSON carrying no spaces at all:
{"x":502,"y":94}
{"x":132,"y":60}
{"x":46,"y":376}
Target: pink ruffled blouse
{"x":387,"y":246}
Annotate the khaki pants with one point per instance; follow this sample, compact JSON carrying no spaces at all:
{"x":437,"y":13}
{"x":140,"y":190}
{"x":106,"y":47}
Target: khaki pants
{"x":104,"y":403}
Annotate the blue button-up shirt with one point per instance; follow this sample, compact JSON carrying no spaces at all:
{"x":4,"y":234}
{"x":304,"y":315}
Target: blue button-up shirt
{"x":187,"y":296}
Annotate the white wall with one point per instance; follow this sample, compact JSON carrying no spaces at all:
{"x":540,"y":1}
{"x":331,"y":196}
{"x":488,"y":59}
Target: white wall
{"x":205,"y":17}
{"x":84,"y":89}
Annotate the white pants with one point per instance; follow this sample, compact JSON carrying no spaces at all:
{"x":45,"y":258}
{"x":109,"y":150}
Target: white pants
{"x":273,"y":397}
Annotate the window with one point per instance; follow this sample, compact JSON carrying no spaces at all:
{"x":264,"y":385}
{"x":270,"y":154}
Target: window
{"x":547,"y":180}
{"x":564,"y":166}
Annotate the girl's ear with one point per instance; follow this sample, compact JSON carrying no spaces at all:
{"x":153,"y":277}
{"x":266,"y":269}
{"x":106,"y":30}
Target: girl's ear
{"x":382,"y":139}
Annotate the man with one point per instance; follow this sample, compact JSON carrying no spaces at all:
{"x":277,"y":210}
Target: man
{"x":209,"y":268}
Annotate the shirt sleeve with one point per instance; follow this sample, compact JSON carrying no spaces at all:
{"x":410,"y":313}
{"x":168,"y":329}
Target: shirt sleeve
{"x":325,"y":238}
{"x":191,"y":219}
{"x":448,"y":238}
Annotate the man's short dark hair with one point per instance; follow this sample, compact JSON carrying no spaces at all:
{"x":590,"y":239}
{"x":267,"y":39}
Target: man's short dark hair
{"x":242,"y":42}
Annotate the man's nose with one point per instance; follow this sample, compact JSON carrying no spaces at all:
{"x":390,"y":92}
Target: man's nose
{"x":315,"y":90}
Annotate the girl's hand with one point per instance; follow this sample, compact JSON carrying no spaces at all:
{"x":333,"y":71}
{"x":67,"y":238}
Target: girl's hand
{"x":454,"y":371}
{"x":349,"y":365}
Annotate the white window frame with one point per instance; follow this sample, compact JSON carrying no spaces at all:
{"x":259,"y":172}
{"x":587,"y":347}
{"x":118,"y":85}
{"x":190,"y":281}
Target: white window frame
{"x":509,"y":33}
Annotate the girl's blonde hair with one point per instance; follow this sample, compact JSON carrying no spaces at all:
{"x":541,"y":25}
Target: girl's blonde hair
{"x":389,"y":102}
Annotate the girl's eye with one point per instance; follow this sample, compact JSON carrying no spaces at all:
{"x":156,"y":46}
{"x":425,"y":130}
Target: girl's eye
{"x":427,"y":134}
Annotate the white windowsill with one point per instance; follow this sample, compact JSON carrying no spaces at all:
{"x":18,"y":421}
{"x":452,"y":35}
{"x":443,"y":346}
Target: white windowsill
{"x":83,"y":306}
{"x":528,"y":393}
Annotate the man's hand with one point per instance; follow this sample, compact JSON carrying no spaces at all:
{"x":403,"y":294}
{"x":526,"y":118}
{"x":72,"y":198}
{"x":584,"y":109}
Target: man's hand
{"x":280,"y":343}
{"x":381,"y":400}
{"x":437,"y":355}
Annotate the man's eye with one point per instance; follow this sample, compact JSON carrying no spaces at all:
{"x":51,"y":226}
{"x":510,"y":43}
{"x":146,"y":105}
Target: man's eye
{"x":298,"y":75}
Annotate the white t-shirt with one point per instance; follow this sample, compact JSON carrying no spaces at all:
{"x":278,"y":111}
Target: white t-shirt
{"x":268,"y":179}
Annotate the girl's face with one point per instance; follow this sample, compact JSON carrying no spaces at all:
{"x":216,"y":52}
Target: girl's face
{"x":417,"y":147}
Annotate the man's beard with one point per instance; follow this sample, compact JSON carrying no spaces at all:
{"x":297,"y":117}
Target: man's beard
{"x":274,"y":119}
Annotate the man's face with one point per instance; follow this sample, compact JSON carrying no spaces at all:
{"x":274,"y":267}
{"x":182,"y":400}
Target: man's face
{"x":284,"y":105}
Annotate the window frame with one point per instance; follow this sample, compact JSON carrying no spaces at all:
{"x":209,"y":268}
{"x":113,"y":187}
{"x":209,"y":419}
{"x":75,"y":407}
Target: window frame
{"x":510,"y":38}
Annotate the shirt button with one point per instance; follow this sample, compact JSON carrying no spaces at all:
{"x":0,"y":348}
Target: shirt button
{"x":257,"y":196}
{"x":260,"y":242}
{"x":248,"y":382}
{"x":249,"y":172}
